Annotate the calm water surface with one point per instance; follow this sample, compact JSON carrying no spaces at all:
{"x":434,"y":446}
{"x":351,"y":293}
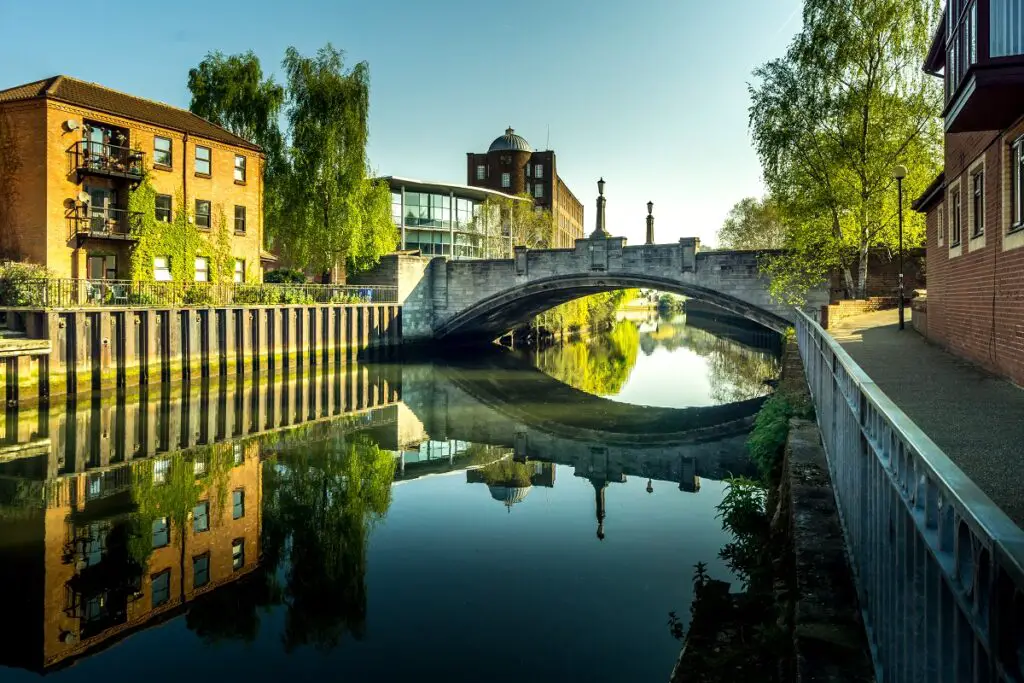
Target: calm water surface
{"x":518,"y":516}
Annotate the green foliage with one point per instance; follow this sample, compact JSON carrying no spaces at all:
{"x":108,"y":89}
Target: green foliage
{"x":586,"y":312}
{"x":285,"y":276}
{"x":507,"y":472}
{"x":23,"y":284}
{"x":599,"y":366}
{"x":753,"y":224}
{"x":831,"y":119}
{"x":669,"y":303}
{"x":504,"y":223}
{"x":743,"y":515}
{"x":767,"y":440}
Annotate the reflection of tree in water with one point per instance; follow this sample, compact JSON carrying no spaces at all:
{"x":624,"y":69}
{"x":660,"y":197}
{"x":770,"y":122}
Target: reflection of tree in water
{"x":737,"y":372}
{"x":598,"y":366}
{"x":507,"y":472}
{"x":320,"y":504}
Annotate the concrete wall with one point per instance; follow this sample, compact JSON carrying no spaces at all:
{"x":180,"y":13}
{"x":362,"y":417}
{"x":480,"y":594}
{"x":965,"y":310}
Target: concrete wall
{"x":106,"y":348}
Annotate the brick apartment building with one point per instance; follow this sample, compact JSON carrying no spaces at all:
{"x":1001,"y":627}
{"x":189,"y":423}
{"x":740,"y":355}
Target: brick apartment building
{"x":70,"y":153}
{"x":511,"y":166}
{"x":77,"y":588}
{"x":975,"y":208}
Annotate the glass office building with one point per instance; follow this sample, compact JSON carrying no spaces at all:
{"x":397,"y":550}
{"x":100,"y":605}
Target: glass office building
{"x":440,"y":219}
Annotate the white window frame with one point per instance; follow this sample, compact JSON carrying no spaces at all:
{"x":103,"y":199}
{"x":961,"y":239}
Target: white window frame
{"x":208,"y":160}
{"x":162,"y":269}
{"x":239,"y":274}
{"x":240,"y":167}
{"x":940,"y":224}
{"x":204,"y":271}
{"x":538,"y":171}
{"x":954,"y":204}
{"x":506,"y":180}
{"x":1016,"y":188}
{"x":169,"y":150}
{"x":976,"y":241}
{"x":481,"y":172}
{"x":538,"y":190}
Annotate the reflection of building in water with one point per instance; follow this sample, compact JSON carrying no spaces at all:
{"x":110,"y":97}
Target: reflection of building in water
{"x":509,"y":481}
{"x":112,"y":551}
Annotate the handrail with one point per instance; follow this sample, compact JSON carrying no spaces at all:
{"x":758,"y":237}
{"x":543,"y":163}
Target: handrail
{"x":939,"y":567}
{"x":56,"y":293}
{"x":88,"y":155}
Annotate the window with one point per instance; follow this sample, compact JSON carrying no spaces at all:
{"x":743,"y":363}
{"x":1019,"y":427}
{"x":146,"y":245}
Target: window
{"x":538,"y":171}
{"x":239,"y":168}
{"x":239,"y":270}
{"x":506,"y":180}
{"x":237,"y":553}
{"x":481,"y":172}
{"x":203,"y":213}
{"x":954,"y":218}
{"x":161,"y":587}
{"x":162,"y":152}
{"x":978,"y":204}
{"x":1017,"y":184}
{"x":200,"y":570}
{"x":239,"y":219}
{"x":202,"y":160}
{"x":163,"y":208}
{"x":237,"y":452}
{"x":238,"y":504}
{"x":202,"y":273}
{"x":161,"y":532}
{"x":940,"y":224}
{"x":529,"y":170}
{"x":538,"y":190}
{"x":201,"y":517}
{"x":161,"y":273}
{"x":200,"y":466}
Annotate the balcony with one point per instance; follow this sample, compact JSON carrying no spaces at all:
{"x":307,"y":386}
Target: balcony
{"x":979,"y":50}
{"x":104,"y":223}
{"x":107,"y":161}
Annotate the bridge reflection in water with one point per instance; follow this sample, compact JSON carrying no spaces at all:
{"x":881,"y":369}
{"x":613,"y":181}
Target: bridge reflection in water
{"x":119,"y":513}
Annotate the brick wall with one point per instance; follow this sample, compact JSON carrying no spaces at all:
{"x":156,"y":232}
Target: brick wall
{"x":23,"y":194}
{"x":850,"y":307}
{"x":883,"y":273}
{"x":61,"y":188}
{"x":975,"y":301}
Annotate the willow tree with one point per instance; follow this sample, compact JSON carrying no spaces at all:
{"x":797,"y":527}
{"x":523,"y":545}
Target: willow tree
{"x":331,"y":211}
{"x":753,"y":224}
{"x":831,"y":119}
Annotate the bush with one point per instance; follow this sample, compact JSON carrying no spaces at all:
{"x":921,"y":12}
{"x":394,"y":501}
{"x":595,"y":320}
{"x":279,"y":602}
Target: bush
{"x":23,"y":284}
{"x":295,"y":296}
{"x":285,"y":276}
{"x":771,"y":427}
{"x":197,"y":295}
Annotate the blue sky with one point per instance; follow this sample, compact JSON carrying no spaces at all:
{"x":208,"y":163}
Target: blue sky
{"x":650,"y":94}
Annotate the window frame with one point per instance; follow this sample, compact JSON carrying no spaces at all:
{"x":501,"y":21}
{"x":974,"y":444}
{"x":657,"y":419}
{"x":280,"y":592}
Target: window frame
{"x":243,"y":168}
{"x":152,"y":587}
{"x":170,"y":208}
{"x":238,"y":275}
{"x":167,"y":267}
{"x":955,"y":216}
{"x":506,"y":180}
{"x":977,"y":206}
{"x":209,"y":214}
{"x":196,"y":559}
{"x":1016,"y":185}
{"x":538,"y":171}
{"x":239,"y":561}
{"x":538,"y":190}
{"x":481,"y":172}
{"x":195,"y":517}
{"x":242,"y":230}
{"x":170,"y":152}
{"x":166,"y":530}
{"x":238,"y":504}
{"x":208,"y":161}
{"x":196,"y":270}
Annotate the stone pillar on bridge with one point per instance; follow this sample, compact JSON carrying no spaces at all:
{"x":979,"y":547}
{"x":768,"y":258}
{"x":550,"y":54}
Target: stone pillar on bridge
{"x":599,"y":230}
{"x":650,"y":223}
{"x":599,"y":487}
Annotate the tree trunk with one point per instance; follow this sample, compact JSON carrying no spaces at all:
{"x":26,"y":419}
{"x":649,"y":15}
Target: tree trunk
{"x":862,"y":275}
{"x":848,"y":282}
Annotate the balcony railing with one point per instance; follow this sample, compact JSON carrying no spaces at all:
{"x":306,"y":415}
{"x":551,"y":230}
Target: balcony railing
{"x":76,"y":293}
{"x":98,"y":158}
{"x":939,"y":568}
{"x":86,"y":221}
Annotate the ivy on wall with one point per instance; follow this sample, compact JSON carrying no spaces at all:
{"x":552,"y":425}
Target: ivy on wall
{"x":179,"y":240}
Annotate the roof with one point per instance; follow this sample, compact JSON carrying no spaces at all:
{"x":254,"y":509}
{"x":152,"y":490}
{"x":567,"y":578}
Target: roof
{"x":510,"y":142}
{"x":935,"y":61}
{"x":931,"y":194}
{"x":98,"y":98}
{"x":464,"y":191}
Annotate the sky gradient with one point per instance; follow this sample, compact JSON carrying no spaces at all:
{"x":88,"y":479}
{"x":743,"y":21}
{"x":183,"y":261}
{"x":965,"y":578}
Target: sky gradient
{"x":652,"y":95}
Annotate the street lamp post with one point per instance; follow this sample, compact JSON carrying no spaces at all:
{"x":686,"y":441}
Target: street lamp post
{"x":899,"y":173}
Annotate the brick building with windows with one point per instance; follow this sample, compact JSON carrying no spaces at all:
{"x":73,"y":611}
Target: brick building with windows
{"x":511,"y":166}
{"x":975,"y":208}
{"x":70,"y":153}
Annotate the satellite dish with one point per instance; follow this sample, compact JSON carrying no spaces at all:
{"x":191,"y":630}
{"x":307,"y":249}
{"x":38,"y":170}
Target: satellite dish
{"x":83,"y":197}
{"x":71,"y":124}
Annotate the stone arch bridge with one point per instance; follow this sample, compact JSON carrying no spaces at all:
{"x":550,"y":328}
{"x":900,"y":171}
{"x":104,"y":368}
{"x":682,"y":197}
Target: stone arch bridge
{"x":446,"y":299}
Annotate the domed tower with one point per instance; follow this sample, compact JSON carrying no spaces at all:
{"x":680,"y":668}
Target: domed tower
{"x":509,"y":154}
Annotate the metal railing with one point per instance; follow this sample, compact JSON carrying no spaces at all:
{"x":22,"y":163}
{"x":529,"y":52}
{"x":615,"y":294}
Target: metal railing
{"x":87,"y":221}
{"x":939,"y":568}
{"x":75,"y":293}
{"x":98,"y":157}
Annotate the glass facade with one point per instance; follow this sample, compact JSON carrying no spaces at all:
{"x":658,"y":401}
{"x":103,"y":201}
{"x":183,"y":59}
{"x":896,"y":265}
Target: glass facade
{"x":439,"y":224}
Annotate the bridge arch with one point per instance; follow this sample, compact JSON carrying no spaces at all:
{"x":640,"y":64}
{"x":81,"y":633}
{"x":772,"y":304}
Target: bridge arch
{"x":493,"y":315}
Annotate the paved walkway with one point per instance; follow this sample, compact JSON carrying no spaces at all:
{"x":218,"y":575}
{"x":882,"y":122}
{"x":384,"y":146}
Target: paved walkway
{"x":976,"y":418}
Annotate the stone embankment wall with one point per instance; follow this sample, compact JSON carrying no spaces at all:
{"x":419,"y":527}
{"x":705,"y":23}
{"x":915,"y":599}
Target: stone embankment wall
{"x":100,"y":349}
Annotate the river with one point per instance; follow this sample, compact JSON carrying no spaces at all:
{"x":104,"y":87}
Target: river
{"x":527,"y":515}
